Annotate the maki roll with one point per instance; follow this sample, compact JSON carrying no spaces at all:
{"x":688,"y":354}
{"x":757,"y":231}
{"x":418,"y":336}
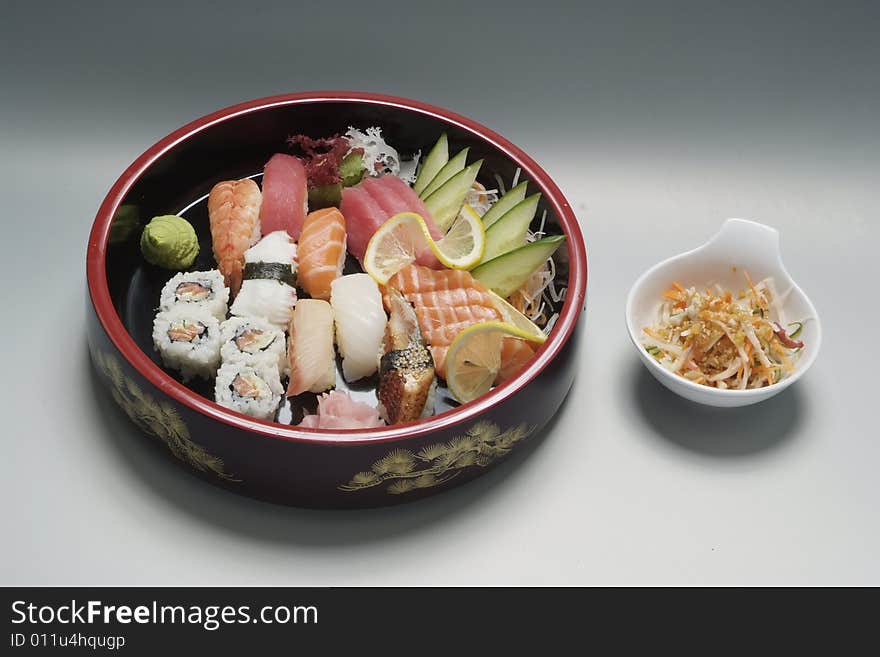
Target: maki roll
{"x":188,"y":339}
{"x":250,"y":388}
{"x":269,"y":283}
{"x":252,"y":340}
{"x":204,"y":290}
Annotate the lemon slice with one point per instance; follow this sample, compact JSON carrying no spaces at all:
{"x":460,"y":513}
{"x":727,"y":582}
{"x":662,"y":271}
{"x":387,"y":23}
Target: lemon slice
{"x":463,"y":245}
{"x":395,"y":245}
{"x":399,"y":240}
{"x":512,"y":316}
{"x":474,"y":358}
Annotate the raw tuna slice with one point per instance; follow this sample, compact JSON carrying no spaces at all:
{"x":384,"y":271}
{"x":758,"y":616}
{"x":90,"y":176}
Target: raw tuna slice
{"x":371,"y":203}
{"x":285,"y":197}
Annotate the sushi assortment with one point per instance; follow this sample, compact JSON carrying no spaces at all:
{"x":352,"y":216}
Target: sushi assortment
{"x":285,"y":303}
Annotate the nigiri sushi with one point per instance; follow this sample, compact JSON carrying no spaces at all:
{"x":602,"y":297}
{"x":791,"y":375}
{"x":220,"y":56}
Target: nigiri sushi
{"x":285,"y":195}
{"x":310,"y":352}
{"x":360,"y":323}
{"x":268,"y":289}
{"x":406,"y":370}
{"x":375,"y":200}
{"x":234,"y":216}
{"x":321,"y":251}
{"x":337,"y":410}
{"x":446,"y":302}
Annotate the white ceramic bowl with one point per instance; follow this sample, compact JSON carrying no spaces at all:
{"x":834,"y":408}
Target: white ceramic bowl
{"x":739,"y":245}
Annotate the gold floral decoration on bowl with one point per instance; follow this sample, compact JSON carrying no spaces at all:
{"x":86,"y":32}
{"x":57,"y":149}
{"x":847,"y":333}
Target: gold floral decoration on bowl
{"x":481,"y":445}
{"x":157,"y":418}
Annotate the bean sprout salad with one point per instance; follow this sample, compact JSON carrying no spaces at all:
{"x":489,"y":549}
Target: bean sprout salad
{"x":724,"y":340}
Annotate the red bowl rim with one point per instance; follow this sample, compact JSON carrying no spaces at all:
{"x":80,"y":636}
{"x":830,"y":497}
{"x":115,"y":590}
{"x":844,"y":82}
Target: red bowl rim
{"x":109,"y":319}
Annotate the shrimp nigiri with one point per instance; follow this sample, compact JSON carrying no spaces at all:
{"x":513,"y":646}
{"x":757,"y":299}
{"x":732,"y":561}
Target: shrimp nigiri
{"x":234,"y":215}
{"x":321,"y":251}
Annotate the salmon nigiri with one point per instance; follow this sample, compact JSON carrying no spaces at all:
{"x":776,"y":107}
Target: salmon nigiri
{"x":321,"y":251}
{"x":234,"y":215}
{"x":446,"y":302}
{"x":310,"y":351}
{"x":285,"y":195}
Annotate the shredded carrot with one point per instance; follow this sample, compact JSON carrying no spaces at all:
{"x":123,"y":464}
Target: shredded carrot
{"x":684,"y":340}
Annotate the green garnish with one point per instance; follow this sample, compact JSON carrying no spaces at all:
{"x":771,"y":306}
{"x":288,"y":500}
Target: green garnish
{"x":170,"y":242}
{"x":797,"y":331}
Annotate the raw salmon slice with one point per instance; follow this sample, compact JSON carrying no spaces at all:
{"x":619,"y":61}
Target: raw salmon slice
{"x":446,"y":302}
{"x":321,"y":251}
{"x":285,"y":195}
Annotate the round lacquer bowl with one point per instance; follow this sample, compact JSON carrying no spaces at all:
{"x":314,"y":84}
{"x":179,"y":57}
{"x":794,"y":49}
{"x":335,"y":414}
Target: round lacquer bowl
{"x":278,"y":461}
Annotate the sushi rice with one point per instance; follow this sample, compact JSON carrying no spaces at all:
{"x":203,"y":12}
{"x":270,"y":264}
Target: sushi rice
{"x":197,"y":289}
{"x":188,"y":340}
{"x":250,"y":388}
{"x":360,"y":324}
{"x":268,"y":291}
{"x":253,"y":340}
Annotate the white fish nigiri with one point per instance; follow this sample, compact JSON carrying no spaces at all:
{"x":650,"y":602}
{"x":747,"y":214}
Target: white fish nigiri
{"x":310,"y":350}
{"x":268,"y":289}
{"x":360,"y":324}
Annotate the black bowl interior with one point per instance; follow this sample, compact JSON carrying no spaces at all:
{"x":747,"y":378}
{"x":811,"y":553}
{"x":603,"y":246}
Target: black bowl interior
{"x":179,"y":182}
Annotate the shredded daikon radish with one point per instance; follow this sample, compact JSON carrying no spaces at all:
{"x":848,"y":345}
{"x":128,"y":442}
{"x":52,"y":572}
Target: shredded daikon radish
{"x":731,"y":341}
{"x":379,"y":157}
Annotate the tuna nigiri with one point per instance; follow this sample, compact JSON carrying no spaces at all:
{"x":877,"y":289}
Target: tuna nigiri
{"x":321,"y":251}
{"x":285,"y":195}
{"x":234,"y":216}
{"x":310,"y":352}
{"x":371,"y":203}
{"x":446,"y":302}
{"x":360,"y":324}
{"x":337,"y":410}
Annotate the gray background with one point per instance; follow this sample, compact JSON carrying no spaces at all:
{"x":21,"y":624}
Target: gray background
{"x":658,"y":120}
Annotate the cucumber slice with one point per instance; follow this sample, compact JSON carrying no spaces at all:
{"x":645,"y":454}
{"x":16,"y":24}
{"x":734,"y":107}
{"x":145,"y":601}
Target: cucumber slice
{"x":445,"y":203}
{"x":436,"y":158}
{"x":507,"y":273}
{"x":351,"y":169}
{"x":325,"y":196}
{"x":505,"y":204}
{"x":509,"y":232}
{"x":449,"y":169}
